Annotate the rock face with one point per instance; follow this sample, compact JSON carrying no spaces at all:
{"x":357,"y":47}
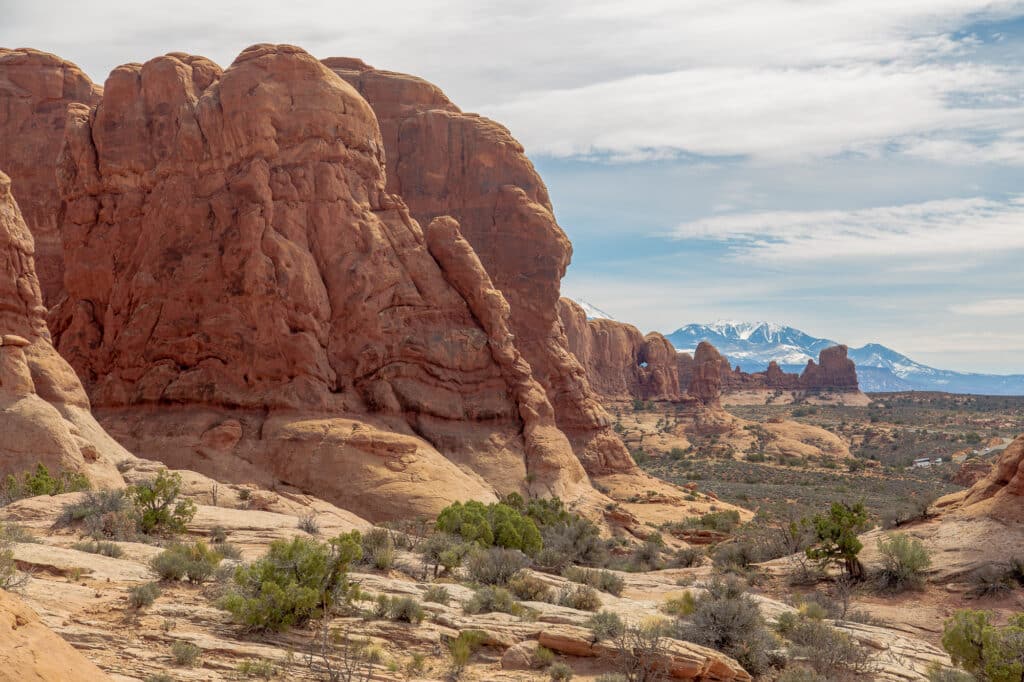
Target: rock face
{"x":35,"y":91}
{"x":44,"y":413}
{"x":247,"y":299}
{"x":1001,"y":493}
{"x":706,"y":381}
{"x":31,"y":652}
{"x":833,"y":372}
{"x":620,"y":362}
{"x":443,"y":161}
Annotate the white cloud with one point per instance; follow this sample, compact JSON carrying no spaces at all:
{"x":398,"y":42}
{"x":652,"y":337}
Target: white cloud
{"x":993,"y":307}
{"x":950,"y":228}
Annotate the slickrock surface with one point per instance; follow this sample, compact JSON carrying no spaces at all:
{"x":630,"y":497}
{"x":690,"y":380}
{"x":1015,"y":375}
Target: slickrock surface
{"x":35,"y":91}
{"x":44,"y":412}
{"x":621,"y":363}
{"x":443,"y":161}
{"x":246,"y":299}
{"x":998,"y":495}
{"x":31,"y":652}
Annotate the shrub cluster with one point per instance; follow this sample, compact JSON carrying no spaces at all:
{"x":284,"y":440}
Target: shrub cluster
{"x":606,"y":581}
{"x":41,"y":482}
{"x":197,"y":562}
{"x":492,"y":525}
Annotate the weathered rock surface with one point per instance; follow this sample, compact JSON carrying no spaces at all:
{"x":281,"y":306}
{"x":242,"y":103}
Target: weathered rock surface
{"x":443,"y":161}
{"x":31,"y":652}
{"x":1000,"y":494}
{"x":621,"y":363}
{"x":246,"y":298}
{"x":44,"y":413}
{"x":35,"y":91}
{"x":706,"y":381}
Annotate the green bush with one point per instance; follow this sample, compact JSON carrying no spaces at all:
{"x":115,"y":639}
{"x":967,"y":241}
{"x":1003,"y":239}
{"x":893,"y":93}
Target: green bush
{"x":724,"y":521}
{"x":461,"y":649}
{"x":489,"y":599}
{"x":727,"y":619}
{"x":185,"y":654}
{"x":558,"y":672}
{"x":438,"y":594}
{"x":989,"y":652}
{"x":143,"y":595}
{"x":904,"y":562}
{"x":495,"y":566}
{"x":836,"y":534}
{"x":10,"y":577}
{"x":196,"y":561}
{"x":542,"y":657}
{"x":497,"y":525}
{"x":443,"y":551}
{"x":292,"y":582}
{"x":683,"y":605}
{"x":566,"y":538}
{"x":606,"y":625}
{"x":40,"y":482}
{"x":157,"y":507}
{"x":687,"y":557}
{"x":529,"y":587}
{"x":94,"y":504}
{"x":379,"y":548}
{"x":606,"y":581}
{"x":104,"y":548}
{"x":401,"y":609}
{"x":258,"y":667}
{"x":580,"y":597}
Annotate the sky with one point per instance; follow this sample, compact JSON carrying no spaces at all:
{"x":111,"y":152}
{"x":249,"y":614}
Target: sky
{"x":853,"y":168}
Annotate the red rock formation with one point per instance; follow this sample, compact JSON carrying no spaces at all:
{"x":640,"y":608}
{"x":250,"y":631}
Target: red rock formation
{"x":44,"y":413}
{"x":1000,"y":494}
{"x":35,"y":91}
{"x":248,"y":300}
{"x":706,"y":384}
{"x":834,"y":371}
{"x":620,"y":362}
{"x":446,"y":162}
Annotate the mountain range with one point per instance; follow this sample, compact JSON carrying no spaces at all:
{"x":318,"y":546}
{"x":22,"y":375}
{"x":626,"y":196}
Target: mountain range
{"x":752,"y":345}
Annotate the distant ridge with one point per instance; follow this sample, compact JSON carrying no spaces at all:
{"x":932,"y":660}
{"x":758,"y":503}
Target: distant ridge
{"x":752,"y":345}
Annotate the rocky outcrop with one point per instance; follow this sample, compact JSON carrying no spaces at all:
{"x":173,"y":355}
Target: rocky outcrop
{"x":44,"y":413}
{"x":620,"y":362}
{"x":833,"y":371}
{"x":1000,"y":494}
{"x":31,"y":652}
{"x":443,"y":161}
{"x":35,"y":91}
{"x":248,"y":300}
{"x":706,"y":381}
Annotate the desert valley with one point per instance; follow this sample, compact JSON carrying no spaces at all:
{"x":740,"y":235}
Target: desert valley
{"x":289,"y":389}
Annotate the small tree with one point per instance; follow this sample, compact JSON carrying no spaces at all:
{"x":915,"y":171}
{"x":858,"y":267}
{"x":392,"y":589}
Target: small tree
{"x":904,"y":561}
{"x":837,"y":532}
{"x":157,"y":505}
{"x":642,"y":652}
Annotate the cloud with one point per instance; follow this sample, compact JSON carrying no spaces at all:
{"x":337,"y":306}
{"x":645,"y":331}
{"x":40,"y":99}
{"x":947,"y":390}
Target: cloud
{"x":948,"y":228}
{"x":993,"y":307}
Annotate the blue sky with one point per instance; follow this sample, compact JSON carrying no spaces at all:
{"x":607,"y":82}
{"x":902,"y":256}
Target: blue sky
{"x":854,"y":168}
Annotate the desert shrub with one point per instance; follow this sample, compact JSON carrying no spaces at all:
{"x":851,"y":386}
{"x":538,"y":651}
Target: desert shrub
{"x":542,"y":657}
{"x":728,"y":619}
{"x":143,"y":595}
{"x":733,"y":557}
{"x":379,"y":548}
{"x":309,"y":524}
{"x":579,"y":597}
{"x":461,"y":649}
{"x":641,"y":651}
{"x":990,"y":581}
{"x":683,"y":605}
{"x":904,"y":562}
{"x":687,"y":557}
{"x":724,"y":521}
{"x":41,"y":482}
{"x":566,"y":538}
{"x":437,"y":594}
{"x":529,"y":587}
{"x":495,"y":565}
{"x":402,"y":609}
{"x":497,"y":525}
{"x":800,"y":674}
{"x":647,"y":556}
{"x":196,"y":561}
{"x":836,"y":534}
{"x":825,"y":649}
{"x":939,"y":673}
{"x":229,"y":551}
{"x":489,"y":599}
{"x":606,"y":581}
{"x":185,"y":654}
{"x":94,"y":503}
{"x":989,"y":652}
{"x":257,"y":667}
{"x":157,"y":505}
{"x":606,"y":625}
{"x":443,"y":551}
{"x":218,"y":535}
{"x":94,"y":547}
{"x":292,"y":582}
{"x":559,"y":672}
{"x":10,"y":577}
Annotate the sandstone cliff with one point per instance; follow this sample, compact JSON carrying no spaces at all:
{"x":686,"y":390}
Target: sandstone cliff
{"x":443,"y":161}
{"x":1000,"y":494}
{"x":620,"y":362}
{"x":44,"y":412}
{"x":35,"y":91}
{"x":246,"y":298}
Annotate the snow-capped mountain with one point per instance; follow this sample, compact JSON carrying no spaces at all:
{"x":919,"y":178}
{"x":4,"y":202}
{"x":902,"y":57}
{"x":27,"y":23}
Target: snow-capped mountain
{"x":593,"y":312}
{"x":752,"y":345}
